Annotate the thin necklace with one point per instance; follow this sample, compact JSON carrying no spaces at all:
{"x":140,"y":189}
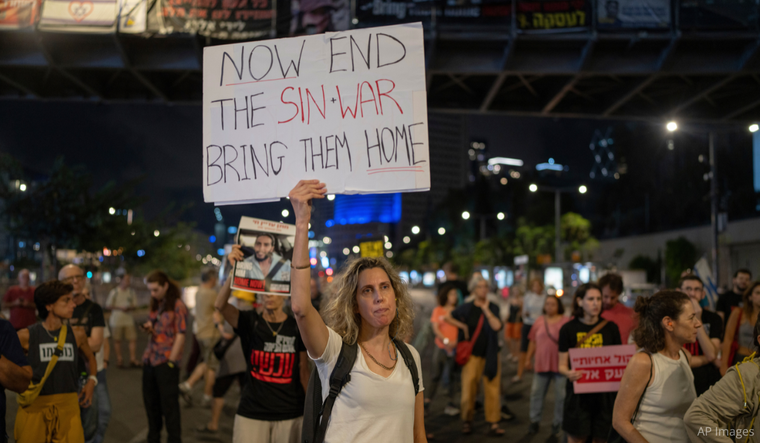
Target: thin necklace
{"x":274,"y":333}
{"x":378,"y":363}
{"x":49,"y":334}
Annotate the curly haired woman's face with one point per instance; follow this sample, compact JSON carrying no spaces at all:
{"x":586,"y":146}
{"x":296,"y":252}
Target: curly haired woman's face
{"x":687,"y":325}
{"x":375,"y":298}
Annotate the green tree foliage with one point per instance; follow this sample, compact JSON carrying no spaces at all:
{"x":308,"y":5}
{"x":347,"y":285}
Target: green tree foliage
{"x":644,"y":263}
{"x":66,"y":211}
{"x":680,"y":255}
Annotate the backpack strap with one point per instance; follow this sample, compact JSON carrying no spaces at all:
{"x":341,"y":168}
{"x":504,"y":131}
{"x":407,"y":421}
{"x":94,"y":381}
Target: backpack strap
{"x":410,"y":363}
{"x":340,"y":375}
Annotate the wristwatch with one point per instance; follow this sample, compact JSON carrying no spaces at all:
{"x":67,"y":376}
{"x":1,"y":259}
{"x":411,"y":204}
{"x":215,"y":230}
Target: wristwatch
{"x":93,"y":378}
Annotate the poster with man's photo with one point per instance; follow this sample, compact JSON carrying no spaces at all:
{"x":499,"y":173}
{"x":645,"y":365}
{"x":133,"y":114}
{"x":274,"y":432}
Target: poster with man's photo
{"x":267,"y":250}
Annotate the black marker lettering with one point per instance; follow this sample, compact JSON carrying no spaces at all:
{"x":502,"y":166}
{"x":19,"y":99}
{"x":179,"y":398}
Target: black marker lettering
{"x":367,"y":58}
{"x":344,"y":144}
{"x":382,"y":144}
{"x":227,"y":163}
{"x":377,"y":39}
{"x":250,"y":58}
{"x":256,"y":160}
{"x":253,"y":111}
{"x":413,"y":143}
{"x":296,"y":67}
{"x":225,"y":56}
{"x":377,"y":136}
{"x":271,"y":156}
{"x":245,"y":108}
{"x":333,"y":54}
{"x":209,"y":165}
{"x":245,"y":166}
{"x":221,"y":108}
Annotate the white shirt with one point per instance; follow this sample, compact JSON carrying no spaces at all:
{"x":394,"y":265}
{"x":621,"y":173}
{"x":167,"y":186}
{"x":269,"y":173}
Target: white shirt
{"x":120,"y":298}
{"x":370,"y":407}
{"x":533,"y":307}
{"x":99,"y":355}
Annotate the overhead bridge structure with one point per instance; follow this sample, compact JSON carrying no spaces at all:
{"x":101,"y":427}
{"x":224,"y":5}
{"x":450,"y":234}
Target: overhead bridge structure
{"x":709,"y":77}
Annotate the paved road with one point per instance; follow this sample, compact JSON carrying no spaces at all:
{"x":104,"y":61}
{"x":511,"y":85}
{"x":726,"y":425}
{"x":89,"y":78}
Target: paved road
{"x":129,"y":423}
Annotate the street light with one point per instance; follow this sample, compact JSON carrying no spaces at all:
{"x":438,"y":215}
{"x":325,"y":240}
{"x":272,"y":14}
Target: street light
{"x":156,"y":233}
{"x":441,"y":231}
{"x":671,"y":126}
{"x":582,"y":189}
{"x":415,"y":229}
{"x":356,"y":249}
{"x":466,"y":215}
{"x":500,"y":216}
{"x":112,"y":211}
{"x":753,"y":127}
{"x":407,"y":240}
{"x":22,"y":186}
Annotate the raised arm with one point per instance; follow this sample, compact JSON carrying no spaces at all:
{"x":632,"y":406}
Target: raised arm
{"x":229,"y":312}
{"x":313,"y":329}
{"x":710,"y":352}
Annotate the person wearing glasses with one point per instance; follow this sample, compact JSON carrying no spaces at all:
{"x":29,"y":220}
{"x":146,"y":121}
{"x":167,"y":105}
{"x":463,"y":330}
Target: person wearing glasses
{"x":88,"y":317}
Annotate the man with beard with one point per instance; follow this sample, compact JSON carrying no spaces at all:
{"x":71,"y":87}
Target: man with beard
{"x":733,"y":299}
{"x":264,"y":263}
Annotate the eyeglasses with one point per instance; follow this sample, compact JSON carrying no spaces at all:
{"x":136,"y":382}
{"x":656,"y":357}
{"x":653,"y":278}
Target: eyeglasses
{"x":74,"y":278}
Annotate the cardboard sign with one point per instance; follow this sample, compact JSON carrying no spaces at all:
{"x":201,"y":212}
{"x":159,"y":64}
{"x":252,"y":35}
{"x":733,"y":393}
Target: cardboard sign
{"x":347,"y":108}
{"x":79,"y":16}
{"x":268,"y":249}
{"x":603,"y":367}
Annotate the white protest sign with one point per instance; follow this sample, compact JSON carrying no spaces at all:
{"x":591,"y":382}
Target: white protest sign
{"x":347,"y":108}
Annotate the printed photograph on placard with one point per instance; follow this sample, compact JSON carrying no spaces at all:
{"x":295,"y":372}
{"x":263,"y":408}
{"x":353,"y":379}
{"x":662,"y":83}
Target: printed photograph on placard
{"x":267,"y":250}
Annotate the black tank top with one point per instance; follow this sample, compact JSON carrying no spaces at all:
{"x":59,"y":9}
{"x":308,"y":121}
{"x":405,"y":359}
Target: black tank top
{"x":65,"y":377}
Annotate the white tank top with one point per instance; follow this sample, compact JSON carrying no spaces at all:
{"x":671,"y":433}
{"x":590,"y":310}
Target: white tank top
{"x":660,"y":417}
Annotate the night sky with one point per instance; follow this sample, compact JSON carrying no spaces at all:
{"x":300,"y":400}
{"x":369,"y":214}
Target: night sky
{"x":163,"y":143}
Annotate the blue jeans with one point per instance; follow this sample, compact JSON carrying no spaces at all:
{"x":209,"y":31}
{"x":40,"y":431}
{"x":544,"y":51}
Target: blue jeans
{"x":538,"y":391}
{"x":104,"y":408}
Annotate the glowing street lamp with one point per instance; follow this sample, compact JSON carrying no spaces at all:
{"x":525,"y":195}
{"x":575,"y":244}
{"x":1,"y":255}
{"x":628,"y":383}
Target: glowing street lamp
{"x":671,"y":126}
{"x":466,"y":215}
{"x":533,"y":187}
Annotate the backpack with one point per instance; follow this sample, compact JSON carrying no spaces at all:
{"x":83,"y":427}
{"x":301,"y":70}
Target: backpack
{"x":314,"y":430}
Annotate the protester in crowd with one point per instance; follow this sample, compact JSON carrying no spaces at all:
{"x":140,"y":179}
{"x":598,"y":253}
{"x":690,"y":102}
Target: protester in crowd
{"x":735,"y":297}
{"x":20,"y":300}
{"x":738,"y":341}
{"x":612,"y":309}
{"x":232,"y":367}
{"x":533,"y":305}
{"x":544,"y":344}
{"x":445,"y":345}
{"x":371,"y":307}
{"x":451,"y":270}
{"x":728,"y":410}
{"x":484,"y":363}
{"x":15,"y":371}
{"x":316,"y":296}
{"x":87,"y":316}
{"x":121,"y":300}
{"x":705,"y":350}
{"x":207,"y":335}
{"x":513,"y":327}
{"x":272,"y":403}
{"x":658,"y":380}
{"x":54,"y":416}
{"x":586,"y":415}
{"x":166,"y":325}
{"x":103,"y":403}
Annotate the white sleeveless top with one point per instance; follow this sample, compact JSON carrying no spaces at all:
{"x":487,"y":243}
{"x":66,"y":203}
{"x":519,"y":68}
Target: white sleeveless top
{"x":660,"y":417}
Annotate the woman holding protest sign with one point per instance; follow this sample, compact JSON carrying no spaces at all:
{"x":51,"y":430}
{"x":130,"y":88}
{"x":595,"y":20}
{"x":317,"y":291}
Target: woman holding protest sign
{"x":384,"y":399}
{"x":586,"y":414}
{"x":272,"y":402}
{"x":658,"y":386}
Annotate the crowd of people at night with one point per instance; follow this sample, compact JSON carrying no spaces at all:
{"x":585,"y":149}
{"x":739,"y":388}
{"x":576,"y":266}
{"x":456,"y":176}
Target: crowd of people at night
{"x":340,"y":366}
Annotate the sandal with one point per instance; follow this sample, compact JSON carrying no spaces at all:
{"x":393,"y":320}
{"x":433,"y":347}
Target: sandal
{"x":467,"y":428}
{"x":496,"y":431}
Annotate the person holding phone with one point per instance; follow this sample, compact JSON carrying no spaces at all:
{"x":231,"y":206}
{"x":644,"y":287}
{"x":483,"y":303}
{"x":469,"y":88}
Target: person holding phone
{"x":166,"y":326}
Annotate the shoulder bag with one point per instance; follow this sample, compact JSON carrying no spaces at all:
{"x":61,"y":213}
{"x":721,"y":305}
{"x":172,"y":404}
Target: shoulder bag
{"x":464,"y":347}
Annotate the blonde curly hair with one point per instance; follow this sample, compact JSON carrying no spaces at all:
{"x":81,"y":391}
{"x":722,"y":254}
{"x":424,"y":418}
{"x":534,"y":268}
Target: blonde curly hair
{"x":342,"y":313}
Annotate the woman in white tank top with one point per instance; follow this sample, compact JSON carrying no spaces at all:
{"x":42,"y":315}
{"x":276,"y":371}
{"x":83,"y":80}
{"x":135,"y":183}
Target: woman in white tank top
{"x":658,"y":387}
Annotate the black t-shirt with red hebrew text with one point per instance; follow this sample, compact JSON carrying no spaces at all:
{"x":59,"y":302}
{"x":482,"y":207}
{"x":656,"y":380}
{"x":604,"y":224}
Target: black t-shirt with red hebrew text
{"x":274,"y":391}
